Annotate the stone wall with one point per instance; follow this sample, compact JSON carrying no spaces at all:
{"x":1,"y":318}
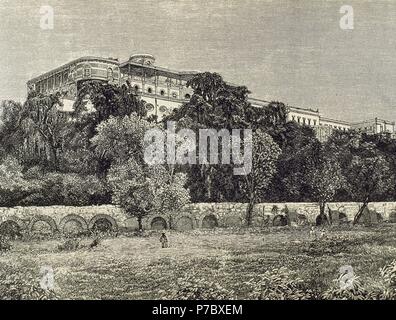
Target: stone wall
{"x":196,"y":215}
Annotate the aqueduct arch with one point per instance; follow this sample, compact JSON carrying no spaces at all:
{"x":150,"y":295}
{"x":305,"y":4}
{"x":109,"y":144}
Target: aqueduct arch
{"x":209,"y":221}
{"x":158,"y":223}
{"x":103,"y":222}
{"x":40,"y":219}
{"x":80,"y":224}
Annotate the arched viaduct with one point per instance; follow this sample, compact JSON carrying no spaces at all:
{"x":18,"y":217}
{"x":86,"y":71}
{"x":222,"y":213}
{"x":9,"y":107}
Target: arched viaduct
{"x":64,"y":219}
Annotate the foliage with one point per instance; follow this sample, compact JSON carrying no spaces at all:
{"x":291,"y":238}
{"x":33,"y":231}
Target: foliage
{"x":192,"y":287}
{"x":46,"y":159}
{"x":20,"y":284}
{"x":11,"y":135}
{"x":67,"y":189}
{"x":265,"y":153}
{"x":357,"y":292}
{"x":5,"y":244}
{"x":277,"y":284}
{"x":13,"y":186}
{"x":142,"y":190}
{"x":42,"y":125}
{"x":120,"y":138}
{"x":388,"y":275}
{"x":71,"y":244}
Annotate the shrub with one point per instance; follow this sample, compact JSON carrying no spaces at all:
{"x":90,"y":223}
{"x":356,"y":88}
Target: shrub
{"x":5,"y":245}
{"x":69,"y":245}
{"x":277,"y":284}
{"x":67,"y":189}
{"x":192,"y":287}
{"x":388,"y":275}
{"x":357,"y":292}
{"x":20,"y":284}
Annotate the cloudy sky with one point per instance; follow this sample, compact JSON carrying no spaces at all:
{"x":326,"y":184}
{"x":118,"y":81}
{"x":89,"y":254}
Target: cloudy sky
{"x":292,"y":51}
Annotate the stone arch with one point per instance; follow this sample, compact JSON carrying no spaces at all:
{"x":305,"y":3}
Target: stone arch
{"x":103,"y":222}
{"x":302,"y":219}
{"x":321,"y":220}
{"x":209,"y":222}
{"x":73,"y":218}
{"x":185,"y":223}
{"x":279,"y":221}
{"x":158,"y":223}
{"x":392,"y":217}
{"x":233,"y":221}
{"x":43,"y":218}
{"x":12,"y":227}
{"x":18,"y":221}
{"x":342,"y":217}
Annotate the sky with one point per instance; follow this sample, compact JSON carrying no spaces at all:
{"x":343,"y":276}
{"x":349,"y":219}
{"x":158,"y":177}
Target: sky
{"x":290,"y":51}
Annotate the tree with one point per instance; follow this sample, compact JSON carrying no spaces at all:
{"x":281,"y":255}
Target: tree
{"x":11,"y":135}
{"x":325,"y":180}
{"x":300,"y":150}
{"x":365,"y":165}
{"x":368,"y":175}
{"x":119,"y":138}
{"x":43,"y":126}
{"x":142,"y":190}
{"x":170,"y":191}
{"x":265,"y":154}
{"x":96,"y":103}
{"x":214,"y":104}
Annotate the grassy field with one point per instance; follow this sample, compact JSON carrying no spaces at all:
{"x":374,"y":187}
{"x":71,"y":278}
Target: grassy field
{"x":229,"y":262}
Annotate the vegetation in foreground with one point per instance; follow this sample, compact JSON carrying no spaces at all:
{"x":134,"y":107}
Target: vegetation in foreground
{"x":275,"y":263}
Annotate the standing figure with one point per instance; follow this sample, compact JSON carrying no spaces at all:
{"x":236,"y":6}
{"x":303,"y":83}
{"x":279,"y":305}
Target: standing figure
{"x":164,"y":240}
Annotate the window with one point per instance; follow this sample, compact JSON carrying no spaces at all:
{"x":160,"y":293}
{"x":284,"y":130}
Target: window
{"x":162,"y":92}
{"x":136,"y":87}
{"x":187,"y":96}
{"x":65,"y":76}
{"x":149,"y":90}
{"x":174,"y":95}
{"x":110,"y":74}
{"x":87,"y":71}
{"x":163,"y":109}
{"x":149,"y":107}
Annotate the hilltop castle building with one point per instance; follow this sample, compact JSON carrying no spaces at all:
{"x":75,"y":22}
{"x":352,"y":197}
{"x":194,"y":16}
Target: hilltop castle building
{"x":164,"y":89}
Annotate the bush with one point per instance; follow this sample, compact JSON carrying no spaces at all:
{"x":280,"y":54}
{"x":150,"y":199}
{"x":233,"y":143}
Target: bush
{"x":388,"y":275}
{"x":385,"y":288}
{"x":18,"y":284}
{"x":277,"y":284}
{"x":69,"y":245}
{"x":67,"y":189}
{"x":357,"y":292}
{"x":5,"y":245}
{"x":192,"y":287}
